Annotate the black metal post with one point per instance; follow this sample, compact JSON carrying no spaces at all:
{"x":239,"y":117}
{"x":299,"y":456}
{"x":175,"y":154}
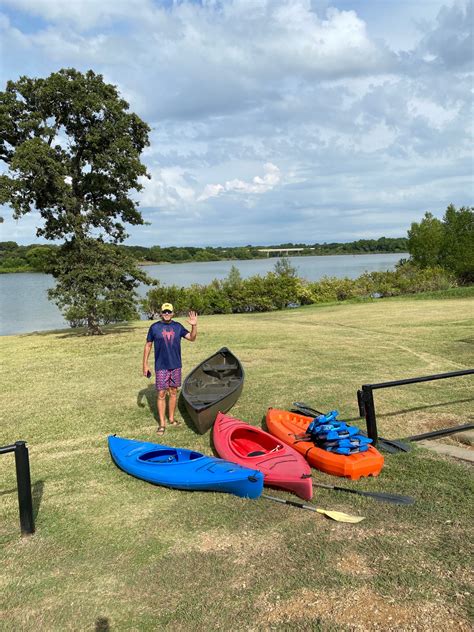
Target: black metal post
{"x":369,"y":410}
{"x":360,"y":402}
{"x":23,"y":480}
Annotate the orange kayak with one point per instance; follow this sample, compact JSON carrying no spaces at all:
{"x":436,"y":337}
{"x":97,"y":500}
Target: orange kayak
{"x":287,"y":426}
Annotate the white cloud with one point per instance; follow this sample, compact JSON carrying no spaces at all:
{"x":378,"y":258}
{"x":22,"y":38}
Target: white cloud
{"x":366,"y":108}
{"x":258,"y":184}
{"x":83,"y":14}
{"x":168,"y":189}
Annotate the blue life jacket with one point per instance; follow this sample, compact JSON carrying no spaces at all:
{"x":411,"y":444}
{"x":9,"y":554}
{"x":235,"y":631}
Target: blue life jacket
{"x":336,"y":436}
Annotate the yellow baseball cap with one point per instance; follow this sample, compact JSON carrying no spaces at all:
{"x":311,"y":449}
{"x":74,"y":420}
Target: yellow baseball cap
{"x":166,"y":306}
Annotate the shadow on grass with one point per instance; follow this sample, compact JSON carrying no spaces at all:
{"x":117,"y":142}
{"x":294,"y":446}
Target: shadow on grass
{"x":185,"y":415}
{"x":79,"y":332}
{"x":102,"y":624}
{"x":8,"y":491}
{"x":149,"y":394}
{"x":36,"y":495}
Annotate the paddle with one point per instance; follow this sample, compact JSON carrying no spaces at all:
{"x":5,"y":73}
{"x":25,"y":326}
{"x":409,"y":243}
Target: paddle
{"x":307,"y":410}
{"x":339,"y":516}
{"x":384,"y":497}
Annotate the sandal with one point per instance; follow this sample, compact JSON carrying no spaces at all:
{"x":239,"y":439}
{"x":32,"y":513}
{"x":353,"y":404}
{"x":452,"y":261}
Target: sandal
{"x":161,"y":430}
{"x":174,"y":423}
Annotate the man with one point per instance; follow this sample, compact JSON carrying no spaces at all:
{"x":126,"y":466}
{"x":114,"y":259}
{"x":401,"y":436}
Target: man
{"x":166,"y":336}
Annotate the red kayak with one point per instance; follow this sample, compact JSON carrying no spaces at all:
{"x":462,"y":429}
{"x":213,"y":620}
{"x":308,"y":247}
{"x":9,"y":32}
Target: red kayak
{"x":282,"y":465}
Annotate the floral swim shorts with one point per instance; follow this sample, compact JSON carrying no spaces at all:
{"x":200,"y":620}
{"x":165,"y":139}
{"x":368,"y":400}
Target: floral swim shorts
{"x":166,"y":378}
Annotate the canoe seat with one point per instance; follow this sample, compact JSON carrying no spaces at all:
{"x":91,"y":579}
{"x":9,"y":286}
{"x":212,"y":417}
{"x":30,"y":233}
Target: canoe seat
{"x":208,"y":368}
{"x":195,"y":382}
{"x":256,"y":453}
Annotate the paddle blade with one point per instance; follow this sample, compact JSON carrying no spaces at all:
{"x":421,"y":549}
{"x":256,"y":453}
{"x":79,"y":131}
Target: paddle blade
{"x":340,"y":516}
{"x":392,"y":446}
{"x":389,"y":498}
{"x":396,"y":499}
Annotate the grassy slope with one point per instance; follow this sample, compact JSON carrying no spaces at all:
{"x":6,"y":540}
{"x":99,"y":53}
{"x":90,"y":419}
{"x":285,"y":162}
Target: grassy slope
{"x":110,"y":549}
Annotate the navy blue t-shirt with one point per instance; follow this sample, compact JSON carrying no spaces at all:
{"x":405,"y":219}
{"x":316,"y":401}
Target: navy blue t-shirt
{"x":167,"y":340}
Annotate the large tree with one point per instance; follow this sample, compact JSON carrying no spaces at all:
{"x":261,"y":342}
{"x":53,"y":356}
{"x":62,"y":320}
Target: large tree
{"x":457,"y":251}
{"x":73,"y":150}
{"x":448,"y":243}
{"x":425,"y":241}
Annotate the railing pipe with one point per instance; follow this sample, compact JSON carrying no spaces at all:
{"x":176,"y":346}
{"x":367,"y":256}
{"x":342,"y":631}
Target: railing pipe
{"x":365,"y":397}
{"x":8,"y":448}
{"x":414,"y":380}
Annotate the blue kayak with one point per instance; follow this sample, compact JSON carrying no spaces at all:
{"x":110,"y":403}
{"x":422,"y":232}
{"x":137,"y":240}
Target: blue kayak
{"x":183,"y":469}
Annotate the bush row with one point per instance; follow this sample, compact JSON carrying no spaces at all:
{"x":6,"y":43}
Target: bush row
{"x":282,"y":288}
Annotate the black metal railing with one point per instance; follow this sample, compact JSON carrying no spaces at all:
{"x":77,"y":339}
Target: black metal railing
{"x":23,"y":481}
{"x":365,"y":396}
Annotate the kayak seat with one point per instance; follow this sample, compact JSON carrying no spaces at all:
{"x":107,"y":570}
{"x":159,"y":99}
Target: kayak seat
{"x":256,"y":453}
{"x":159,"y":456}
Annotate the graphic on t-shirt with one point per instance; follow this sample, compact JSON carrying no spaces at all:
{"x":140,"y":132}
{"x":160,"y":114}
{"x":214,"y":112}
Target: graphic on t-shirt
{"x":168,"y":335}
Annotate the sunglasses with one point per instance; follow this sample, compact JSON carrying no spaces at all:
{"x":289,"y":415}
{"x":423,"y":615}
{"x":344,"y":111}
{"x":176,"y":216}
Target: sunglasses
{"x":166,"y":311}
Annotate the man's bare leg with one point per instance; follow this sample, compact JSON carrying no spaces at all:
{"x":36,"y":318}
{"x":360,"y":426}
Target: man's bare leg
{"x":173,"y":391}
{"x":161,"y":401}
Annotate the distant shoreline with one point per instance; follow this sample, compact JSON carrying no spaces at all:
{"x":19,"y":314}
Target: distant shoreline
{"x":326,"y":254}
{"x":160,"y":263}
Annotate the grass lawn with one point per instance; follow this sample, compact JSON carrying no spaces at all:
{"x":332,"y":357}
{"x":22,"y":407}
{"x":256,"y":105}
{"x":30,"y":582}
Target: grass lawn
{"x":113,"y":552}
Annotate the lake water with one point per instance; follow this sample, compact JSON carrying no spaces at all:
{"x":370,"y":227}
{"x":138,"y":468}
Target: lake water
{"x":24,"y":306}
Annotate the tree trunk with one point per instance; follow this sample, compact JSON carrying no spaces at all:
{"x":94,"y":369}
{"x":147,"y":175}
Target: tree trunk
{"x":93,"y":327}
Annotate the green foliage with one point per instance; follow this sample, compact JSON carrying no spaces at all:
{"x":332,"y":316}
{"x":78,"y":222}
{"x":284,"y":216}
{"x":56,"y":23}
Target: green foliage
{"x":425,"y":241}
{"x":82,"y":184}
{"x":329,"y":289}
{"x":15,"y":258}
{"x":278,"y":291}
{"x":95,"y":284}
{"x":448,"y":243}
{"x":457,"y":251}
{"x":283,"y":268}
{"x":41,"y":258}
{"x":80,"y":187}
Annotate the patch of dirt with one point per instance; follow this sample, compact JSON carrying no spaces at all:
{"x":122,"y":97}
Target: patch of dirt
{"x":361,"y":610}
{"x":354,"y":564}
{"x":416,"y":421}
{"x":243,"y":546}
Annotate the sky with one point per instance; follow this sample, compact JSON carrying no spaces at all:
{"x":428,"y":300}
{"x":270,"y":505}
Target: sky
{"x":273,"y":121}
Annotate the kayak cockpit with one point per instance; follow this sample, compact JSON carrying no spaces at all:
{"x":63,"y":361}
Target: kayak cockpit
{"x":168,"y":456}
{"x":248,"y":442}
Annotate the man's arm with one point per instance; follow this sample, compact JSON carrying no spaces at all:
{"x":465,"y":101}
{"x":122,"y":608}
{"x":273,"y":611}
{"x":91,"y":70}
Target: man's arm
{"x":192,"y":320}
{"x":146,"y":353}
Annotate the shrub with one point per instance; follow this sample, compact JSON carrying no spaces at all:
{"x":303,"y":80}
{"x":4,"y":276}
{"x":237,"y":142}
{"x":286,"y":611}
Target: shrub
{"x":278,"y":290}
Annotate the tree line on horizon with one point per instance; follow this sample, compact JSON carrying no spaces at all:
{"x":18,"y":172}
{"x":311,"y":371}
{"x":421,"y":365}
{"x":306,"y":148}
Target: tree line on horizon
{"x":40,"y":258}
{"x":71,"y":151}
